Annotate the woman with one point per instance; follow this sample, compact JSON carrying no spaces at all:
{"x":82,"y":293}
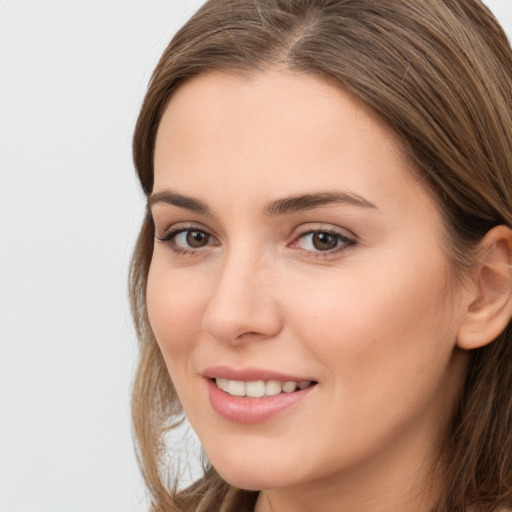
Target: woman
{"x":322,"y":281}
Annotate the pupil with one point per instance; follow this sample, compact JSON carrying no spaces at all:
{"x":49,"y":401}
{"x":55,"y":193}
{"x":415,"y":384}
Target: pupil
{"x":324,"y":241}
{"x":197,"y":239}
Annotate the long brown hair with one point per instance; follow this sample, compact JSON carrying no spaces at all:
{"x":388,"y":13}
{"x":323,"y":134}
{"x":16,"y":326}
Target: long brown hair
{"x":439,"y":73}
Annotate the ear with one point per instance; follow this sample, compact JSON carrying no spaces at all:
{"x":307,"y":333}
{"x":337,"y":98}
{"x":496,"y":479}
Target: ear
{"x":490,"y":301}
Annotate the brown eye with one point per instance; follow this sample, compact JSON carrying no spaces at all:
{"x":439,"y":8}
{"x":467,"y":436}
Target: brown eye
{"x":327,"y":242}
{"x":188,"y":240}
{"x":324,"y":241}
{"x":196,"y":239}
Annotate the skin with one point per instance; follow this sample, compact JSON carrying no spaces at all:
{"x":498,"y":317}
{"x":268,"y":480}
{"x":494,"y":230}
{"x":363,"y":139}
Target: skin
{"x":373,"y":322}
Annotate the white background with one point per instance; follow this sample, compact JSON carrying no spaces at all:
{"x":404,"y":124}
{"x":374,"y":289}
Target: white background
{"x":72,"y":77}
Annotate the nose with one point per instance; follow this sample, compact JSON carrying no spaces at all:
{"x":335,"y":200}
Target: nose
{"x":243,"y":304}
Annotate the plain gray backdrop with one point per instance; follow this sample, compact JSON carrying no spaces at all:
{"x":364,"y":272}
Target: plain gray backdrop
{"x":72,"y":77}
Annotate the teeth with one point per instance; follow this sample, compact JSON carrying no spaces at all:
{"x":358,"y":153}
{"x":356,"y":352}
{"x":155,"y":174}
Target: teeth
{"x":260,"y":388}
{"x":255,"y":389}
{"x":222,"y":384}
{"x":289,"y":387}
{"x":273,"y":387}
{"x":236,"y":388}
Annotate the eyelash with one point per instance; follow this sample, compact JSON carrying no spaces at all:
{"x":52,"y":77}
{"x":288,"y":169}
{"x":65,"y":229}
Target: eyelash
{"x":170,"y":236}
{"x":343,"y":242}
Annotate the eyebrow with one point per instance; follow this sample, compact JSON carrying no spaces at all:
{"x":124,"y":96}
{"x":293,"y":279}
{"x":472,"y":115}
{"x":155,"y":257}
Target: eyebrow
{"x":175,"y":199}
{"x":284,"y":206}
{"x":293,"y":204}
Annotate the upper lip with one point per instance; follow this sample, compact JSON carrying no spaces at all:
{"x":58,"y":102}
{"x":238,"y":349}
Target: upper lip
{"x":249,"y":374}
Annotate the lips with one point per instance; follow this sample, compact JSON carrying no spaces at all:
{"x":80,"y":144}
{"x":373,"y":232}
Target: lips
{"x":252,"y":396}
{"x":251,"y":374}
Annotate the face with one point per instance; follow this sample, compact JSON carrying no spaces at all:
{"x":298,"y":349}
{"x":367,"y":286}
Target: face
{"x":298,"y":289}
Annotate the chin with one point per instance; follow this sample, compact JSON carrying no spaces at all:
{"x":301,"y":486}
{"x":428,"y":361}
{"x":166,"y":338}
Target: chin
{"x":255,"y":475}
{"x":251,"y":480}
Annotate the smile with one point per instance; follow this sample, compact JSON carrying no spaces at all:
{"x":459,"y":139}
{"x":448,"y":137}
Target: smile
{"x":260,"y":388}
{"x":256,"y":401}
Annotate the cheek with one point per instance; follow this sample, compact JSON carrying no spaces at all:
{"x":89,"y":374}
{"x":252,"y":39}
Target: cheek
{"x":175,"y":306}
{"x":385,"y":344}
{"x":379,"y":326}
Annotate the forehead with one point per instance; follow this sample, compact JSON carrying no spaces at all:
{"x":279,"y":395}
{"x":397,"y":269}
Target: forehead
{"x":270,"y":99}
{"x":266,"y":135}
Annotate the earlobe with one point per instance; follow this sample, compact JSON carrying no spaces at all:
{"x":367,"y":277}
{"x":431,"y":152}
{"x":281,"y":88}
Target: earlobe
{"x":490,"y":307}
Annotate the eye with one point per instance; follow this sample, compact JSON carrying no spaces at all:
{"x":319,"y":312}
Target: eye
{"x":191,"y":238}
{"x":322,"y":241}
{"x":183,"y":240}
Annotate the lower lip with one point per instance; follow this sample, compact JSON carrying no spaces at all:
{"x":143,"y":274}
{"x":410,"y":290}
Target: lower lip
{"x":249,"y":411}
